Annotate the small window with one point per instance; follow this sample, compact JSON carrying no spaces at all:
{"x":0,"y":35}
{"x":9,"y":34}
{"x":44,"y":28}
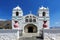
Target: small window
{"x":16,"y":21}
{"x":34,"y":20}
{"x":30,"y":16}
{"x":30,"y":20}
{"x":45,"y":21}
{"x":43,"y":13}
{"x":26,"y":20}
{"x":17,"y":13}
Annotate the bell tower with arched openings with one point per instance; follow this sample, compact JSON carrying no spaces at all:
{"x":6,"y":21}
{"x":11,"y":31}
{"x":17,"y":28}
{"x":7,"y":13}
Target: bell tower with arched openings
{"x":43,"y":14}
{"x":17,"y":14}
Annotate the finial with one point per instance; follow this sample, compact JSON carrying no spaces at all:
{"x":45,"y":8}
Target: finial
{"x":42,"y":7}
{"x":18,"y":8}
{"x":30,"y":12}
{"x":17,"y":5}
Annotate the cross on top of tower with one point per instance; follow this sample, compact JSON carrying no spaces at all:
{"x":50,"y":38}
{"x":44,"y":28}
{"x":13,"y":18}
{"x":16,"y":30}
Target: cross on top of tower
{"x":30,"y":12}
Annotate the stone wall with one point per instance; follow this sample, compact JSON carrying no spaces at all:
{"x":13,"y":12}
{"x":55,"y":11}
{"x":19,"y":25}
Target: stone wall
{"x":52,"y":34}
{"x":8,"y":34}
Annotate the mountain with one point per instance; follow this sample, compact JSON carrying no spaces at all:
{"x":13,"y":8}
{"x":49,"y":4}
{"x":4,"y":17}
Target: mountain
{"x":6,"y":24}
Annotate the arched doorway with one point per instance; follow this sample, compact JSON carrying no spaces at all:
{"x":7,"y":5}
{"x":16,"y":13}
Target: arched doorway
{"x":30,"y":28}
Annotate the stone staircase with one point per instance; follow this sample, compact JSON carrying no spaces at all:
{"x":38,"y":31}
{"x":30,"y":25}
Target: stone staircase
{"x":29,"y":38}
{"x":30,"y":34}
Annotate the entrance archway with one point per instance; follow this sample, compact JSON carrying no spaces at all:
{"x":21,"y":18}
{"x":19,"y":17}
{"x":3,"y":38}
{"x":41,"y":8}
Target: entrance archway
{"x":30,"y":28}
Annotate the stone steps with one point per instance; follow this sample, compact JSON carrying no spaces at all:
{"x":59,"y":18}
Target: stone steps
{"x":30,"y":34}
{"x":29,"y":38}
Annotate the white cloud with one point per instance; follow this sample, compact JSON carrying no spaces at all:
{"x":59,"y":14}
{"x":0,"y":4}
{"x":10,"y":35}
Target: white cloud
{"x":2,"y":19}
{"x":57,"y":23}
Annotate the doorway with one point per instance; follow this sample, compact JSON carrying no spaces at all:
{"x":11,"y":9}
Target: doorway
{"x":30,"y":29}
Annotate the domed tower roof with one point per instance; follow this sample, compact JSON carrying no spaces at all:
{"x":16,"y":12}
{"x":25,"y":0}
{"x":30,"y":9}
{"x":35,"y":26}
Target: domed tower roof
{"x":42,"y":7}
{"x":17,"y":8}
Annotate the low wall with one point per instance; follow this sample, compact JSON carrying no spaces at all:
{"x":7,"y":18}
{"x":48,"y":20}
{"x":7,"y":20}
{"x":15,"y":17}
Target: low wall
{"x":8,"y":34}
{"x":52,"y":34}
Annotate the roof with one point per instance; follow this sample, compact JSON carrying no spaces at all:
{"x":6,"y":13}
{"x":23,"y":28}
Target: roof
{"x":17,"y":8}
{"x":30,"y":14}
{"x":43,"y":8}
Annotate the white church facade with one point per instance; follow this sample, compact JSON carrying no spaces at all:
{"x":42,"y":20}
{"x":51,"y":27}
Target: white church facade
{"x":28,"y":25}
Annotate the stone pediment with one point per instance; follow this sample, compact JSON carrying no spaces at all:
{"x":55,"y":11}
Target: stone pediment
{"x":31,"y":15}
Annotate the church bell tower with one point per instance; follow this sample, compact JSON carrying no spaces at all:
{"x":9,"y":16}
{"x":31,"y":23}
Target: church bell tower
{"x":43,"y":14}
{"x":17,"y":13}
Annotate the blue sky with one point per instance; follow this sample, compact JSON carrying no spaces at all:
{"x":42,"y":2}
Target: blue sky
{"x":6,"y":7}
